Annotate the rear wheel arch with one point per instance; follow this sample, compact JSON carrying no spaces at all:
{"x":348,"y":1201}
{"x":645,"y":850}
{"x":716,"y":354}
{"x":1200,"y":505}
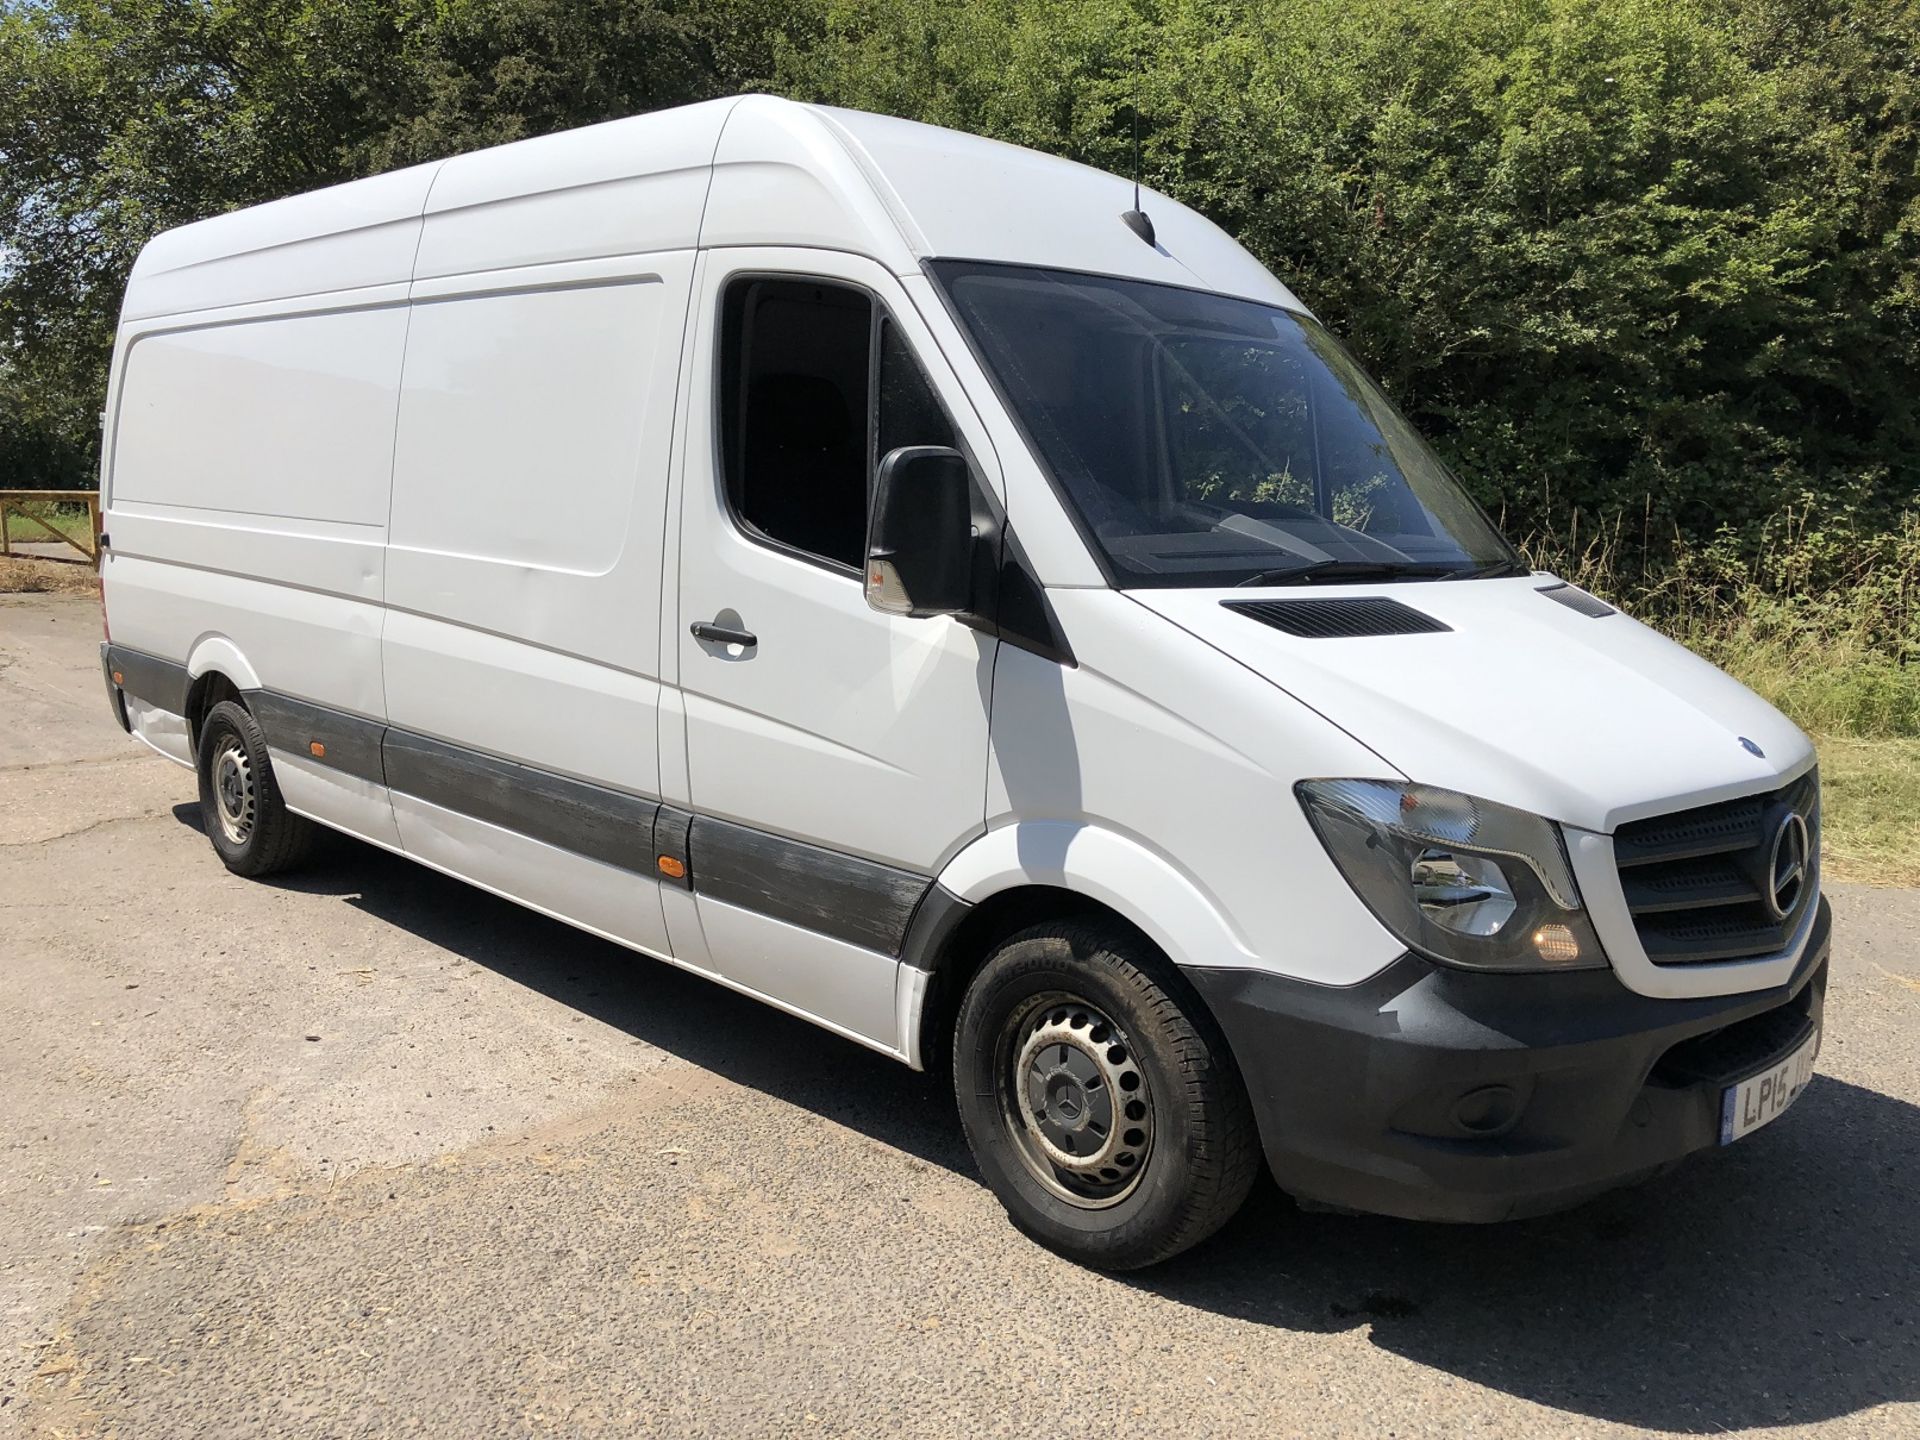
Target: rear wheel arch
{"x":217,"y":671}
{"x":203,"y":693}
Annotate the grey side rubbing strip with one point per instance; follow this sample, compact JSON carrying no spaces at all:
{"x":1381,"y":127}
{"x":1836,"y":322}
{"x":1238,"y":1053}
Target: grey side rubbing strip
{"x":606,"y":825}
{"x":160,"y":683}
{"x":859,"y":901}
{"x":352,"y":743}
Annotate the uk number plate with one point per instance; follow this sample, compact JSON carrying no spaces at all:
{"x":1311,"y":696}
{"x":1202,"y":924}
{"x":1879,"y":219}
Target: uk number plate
{"x":1761,"y":1098}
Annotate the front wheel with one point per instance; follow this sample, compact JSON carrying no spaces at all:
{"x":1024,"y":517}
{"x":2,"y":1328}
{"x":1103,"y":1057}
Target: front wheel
{"x":1099,"y":1097}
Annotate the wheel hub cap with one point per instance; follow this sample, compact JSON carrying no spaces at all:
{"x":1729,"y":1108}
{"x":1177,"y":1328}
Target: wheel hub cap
{"x":1077,"y":1102}
{"x":233,"y":791}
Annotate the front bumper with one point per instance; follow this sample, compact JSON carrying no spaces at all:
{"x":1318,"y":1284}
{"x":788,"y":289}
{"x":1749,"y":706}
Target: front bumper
{"x":1440,"y":1094}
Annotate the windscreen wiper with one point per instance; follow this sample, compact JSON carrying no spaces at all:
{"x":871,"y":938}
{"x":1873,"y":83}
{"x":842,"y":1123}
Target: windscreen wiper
{"x":1494,"y":570}
{"x":1315,"y":572}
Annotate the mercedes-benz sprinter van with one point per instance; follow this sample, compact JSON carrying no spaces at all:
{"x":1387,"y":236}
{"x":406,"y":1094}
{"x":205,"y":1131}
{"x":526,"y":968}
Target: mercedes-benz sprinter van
{"x":909,"y":581}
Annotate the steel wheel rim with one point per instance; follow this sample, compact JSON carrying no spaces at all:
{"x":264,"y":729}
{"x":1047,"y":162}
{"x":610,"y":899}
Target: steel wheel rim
{"x":1075,"y":1101}
{"x":233,"y":790}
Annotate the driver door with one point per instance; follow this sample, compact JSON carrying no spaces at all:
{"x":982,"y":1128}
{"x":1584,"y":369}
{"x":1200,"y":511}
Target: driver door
{"x":835,"y":756}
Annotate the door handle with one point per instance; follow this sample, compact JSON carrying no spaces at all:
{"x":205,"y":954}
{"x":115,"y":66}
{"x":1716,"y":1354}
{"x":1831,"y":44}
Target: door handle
{"x":722,"y":634}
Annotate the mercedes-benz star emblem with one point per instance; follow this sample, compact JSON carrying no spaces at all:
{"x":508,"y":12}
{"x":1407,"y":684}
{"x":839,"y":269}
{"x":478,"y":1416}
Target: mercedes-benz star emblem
{"x":1787,"y":865}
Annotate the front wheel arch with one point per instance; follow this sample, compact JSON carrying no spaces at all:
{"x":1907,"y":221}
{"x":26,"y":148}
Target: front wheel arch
{"x":1036,"y":871}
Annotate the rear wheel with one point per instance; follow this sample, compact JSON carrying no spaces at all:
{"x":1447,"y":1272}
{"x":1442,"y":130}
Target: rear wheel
{"x":245,"y":817}
{"x":1099,"y":1098}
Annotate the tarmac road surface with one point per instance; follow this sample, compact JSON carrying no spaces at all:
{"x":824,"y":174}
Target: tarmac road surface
{"x":369,"y":1152}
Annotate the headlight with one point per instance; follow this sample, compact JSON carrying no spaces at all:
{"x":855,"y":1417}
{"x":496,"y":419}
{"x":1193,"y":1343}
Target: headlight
{"x":1461,"y":880}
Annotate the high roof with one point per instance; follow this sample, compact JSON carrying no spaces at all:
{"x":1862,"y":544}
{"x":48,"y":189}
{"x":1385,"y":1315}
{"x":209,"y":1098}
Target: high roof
{"x":753,"y":170}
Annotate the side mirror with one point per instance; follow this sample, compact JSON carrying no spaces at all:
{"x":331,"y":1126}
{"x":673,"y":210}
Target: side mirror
{"x":920,"y":534}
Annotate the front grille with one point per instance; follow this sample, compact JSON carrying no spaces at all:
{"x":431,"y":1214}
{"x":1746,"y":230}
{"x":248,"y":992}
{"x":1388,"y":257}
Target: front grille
{"x":1698,"y":881}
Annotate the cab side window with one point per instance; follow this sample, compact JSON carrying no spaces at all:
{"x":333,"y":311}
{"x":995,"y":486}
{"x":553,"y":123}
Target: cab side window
{"x":801,"y":361}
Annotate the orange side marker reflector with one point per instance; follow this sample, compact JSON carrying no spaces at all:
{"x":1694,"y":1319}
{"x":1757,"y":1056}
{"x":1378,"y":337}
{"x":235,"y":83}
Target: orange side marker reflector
{"x":672,"y":868}
{"x":319,"y":750}
{"x":118,"y":678}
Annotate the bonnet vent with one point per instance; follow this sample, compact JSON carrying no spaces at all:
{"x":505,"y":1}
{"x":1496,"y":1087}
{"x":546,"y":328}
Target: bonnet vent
{"x":1331,"y":618}
{"x":1578,"y":600}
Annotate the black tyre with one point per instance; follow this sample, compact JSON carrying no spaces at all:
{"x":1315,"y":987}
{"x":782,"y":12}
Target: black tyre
{"x":1099,"y":1098}
{"x":240,"y":806}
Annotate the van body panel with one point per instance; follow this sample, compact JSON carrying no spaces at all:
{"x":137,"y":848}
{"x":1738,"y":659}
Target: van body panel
{"x":202,"y":407}
{"x":955,"y":191}
{"x":349,"y":803}
{"x":303,"y":643}
{"x":781,"y":176}
{"x":160,"y":730}
{"x":344,"y":238}
{"x":246,"y":491}
{"x":771,"y":748}
{"x":847,"y":987}
{"x":602,"y":899}
{"x":330,"y":559}
{"x":217,"y":655}
{"x":450,"y":682}
{"x":846,"y":774}
{"x":1117,"y":870}
{"x":855,"y":742}
{"x":1207,"y":791}
{"x":1485,"y":708}
{"x":625,"y":187}
{"x":531,"y":466}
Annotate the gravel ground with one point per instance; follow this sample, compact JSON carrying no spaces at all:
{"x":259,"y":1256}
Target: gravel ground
{"x":367,"y":1151}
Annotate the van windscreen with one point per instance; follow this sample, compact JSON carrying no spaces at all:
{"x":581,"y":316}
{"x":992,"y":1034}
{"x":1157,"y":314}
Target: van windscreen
{"x":1205,"y":440}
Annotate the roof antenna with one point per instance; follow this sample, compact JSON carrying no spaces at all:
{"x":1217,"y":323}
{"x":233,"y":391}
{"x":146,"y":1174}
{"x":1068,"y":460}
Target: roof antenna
{"x":1136,"y":219}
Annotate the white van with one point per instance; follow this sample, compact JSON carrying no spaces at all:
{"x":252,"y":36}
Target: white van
{"x":924,"y":585}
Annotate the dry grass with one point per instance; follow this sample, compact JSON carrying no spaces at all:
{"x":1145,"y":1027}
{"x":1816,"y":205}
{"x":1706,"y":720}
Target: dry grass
{"x":65,"y":517}
{"x":1870,"y":810}
{"x":45,"y":577}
